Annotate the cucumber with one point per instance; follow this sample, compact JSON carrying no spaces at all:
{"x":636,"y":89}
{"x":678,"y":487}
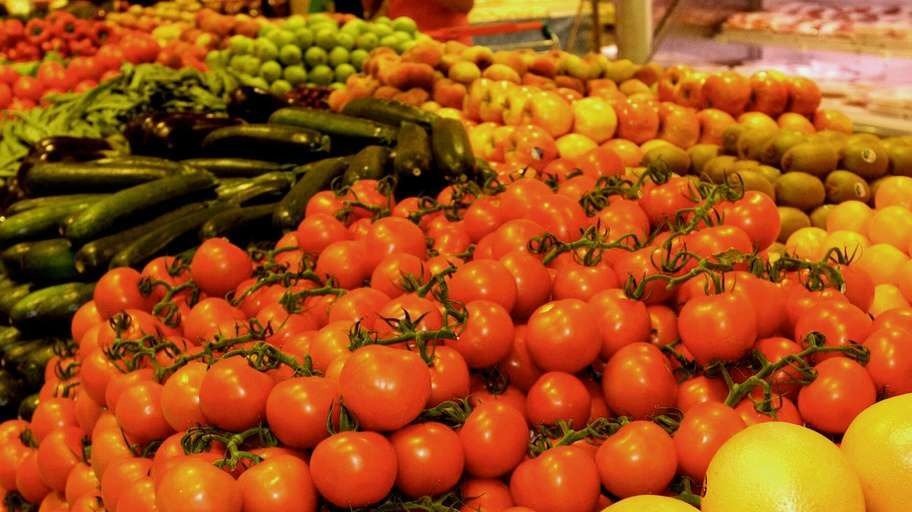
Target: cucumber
{"x":269,"y":186}
{"x":316,"y":177}
{"x":12,"y":255}
{"x":105,"y":213}
{"x":451,"y":148}
{"x":51,"y":308}
{"x":368,"y":164}
{"x":155,"y":241}
{"x":30,"y":366}
{"x":276,"y":142}
{"x":49,"y":261}
{"x":239,"y":219}
{"x":413,"y":161}
{"x":234,"y":167}
{"x":16,"y":351}
{"x":38,"y":202}
{"x":388,"y":112}
{"x":337,"y":125}
{"x":8,"y":336}
{"x":66,"y":177}
{"x":38,"y":221}
{"x":94,"y":256}
{"x":140,"y":161}
{"x":27,"y":406}
{"x":9,"y":298}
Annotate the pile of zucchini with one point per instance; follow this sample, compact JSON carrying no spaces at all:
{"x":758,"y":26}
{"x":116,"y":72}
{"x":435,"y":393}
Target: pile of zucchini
{"x":79,"y":214}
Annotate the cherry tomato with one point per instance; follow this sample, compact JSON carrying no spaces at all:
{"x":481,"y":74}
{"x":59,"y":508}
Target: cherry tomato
{"x":117,"y":290}
{"x":890,"y":363}
{"x":518,"y":364}
{"x":393,"y":273}
{"x":346,"y":262}
{"x":180,"y":397}
{"x":533,"y":282}
{"x":28,"y":479}
{"x":487,"y":335}
{"x":621,"y":321}
{"x":233,"y":394}
{"x":719,"y":327}
{"x":838,"y":321}
{"x":139,"y":412}
{"x":218,"y":266}
{"x":194,"y":485}
{"x":449,"y":376}
{"x":297,"y":410}
{"x":702,"y":432}
{"x":700,"y":389}
{"x":51,"y":415}
{"x":211,"y":317}
{"x":483,"y":279}
{"x":640,"y":458}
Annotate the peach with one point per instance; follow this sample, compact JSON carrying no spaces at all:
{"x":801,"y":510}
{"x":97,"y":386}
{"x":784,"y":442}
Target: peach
{"x":633,"y":86}
{"x":511,"y":59}
{"x":595,"y":118}
{"x":713,"y":123}
{"x":689,"y":91}
{"x":570,"y":82}
{"x":427,"y":52}
{"x":464,"y":72}
{"x":551,"y":112}
{"x":679,"y":125}
{"x":544,"y":65}
{"x":409,"y":75}
{"x":480,"y":55}
{"x":769,"y":93}
{"x":414,"y":96}
{"x":757,"y":121}
{"x":727,"y":91}
{"x":835,"y":120}
{"x":804,"y":95}
{"x":538,"y":81}
{"x":638,"y":120}
{"x":501,"y":72}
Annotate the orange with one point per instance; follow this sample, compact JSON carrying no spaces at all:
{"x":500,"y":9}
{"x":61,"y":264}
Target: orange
{"x":850,"y":215}
{"x":650,"y":504}
{"x":881,"y":262}
{"x":781,"y":467}
{"x":574,"y":145}
{"x":891,"y":225}
{"x":878,"y":446}
{"x":887,"y":297}
{"x":894,"y":190}
{"x":806,"y":243}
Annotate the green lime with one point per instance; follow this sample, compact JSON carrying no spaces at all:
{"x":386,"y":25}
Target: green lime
{"x":344,"y":71}
{"x":344,"y":40}
{"x":280,"y":88}
{"x":326,"y":39}
{"x":358,"y":58}
{"x":405,"y":24}
{"x":338,"y":56}
{"x":271,"y":71}
{"x":295,"y":75}
{"x":322,"y":75}
{"x":290,"y":55}
{"x":282,"y":37}
{"x":315,"y":56}
{"x":240,"y":45}
{"x":266,"y":49}
{"x":367,"y":41}
{"x":295,"y":21}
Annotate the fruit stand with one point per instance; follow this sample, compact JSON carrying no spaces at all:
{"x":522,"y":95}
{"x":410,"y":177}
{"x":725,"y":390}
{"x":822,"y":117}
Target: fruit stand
{"x":321,"y":263}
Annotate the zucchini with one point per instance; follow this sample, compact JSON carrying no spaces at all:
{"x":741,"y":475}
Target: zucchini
{"x":105,"y":213}
{"x":95,"y":255}
{"x":49,"y":261}
{"x":13,"y":254}
{"x":51,"y":308}
{"x":335,"y":125}
{"x":65,"y":177}
{"x":368,"y":164}
{"x":28,"y":405}
{"x":274,"y":141}
{"x":413,"y":160}
{"x":154,"y":242}
{"x":254,"y":219}
{"x":234,"y":167}
{"x":316,"y":177}
{"x":386,"y":111}
{"x":38,"y":221}
{"x":16,"y":351}
{"x":140,"y":161}
{"x":31,"y":365}
{"x":451,"y":148}
{"x":270,"y":185}
{"x":39,"y":202}
{"x":11,"y":393}
{"x":8,"y":336}
{"x":10,"y":297}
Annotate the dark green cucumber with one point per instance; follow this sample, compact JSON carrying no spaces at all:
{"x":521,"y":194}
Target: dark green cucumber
{"x":107,"y":212}
{"x":94,"y":256}
{"x":315,"y":177}
{"x":49,"y":261}
{"x":234,"y":167}
{"x":335,"y":124}
{"x":274,"y":141}
{"x":238,"y":219}
{"x":9,"y":298}
{"x":16,"y":351}
{"x":368,"y":164}
{"x":268,"y":187}
{"x":12,"y":255}
{"x":413,"y":161}
{"x":66,"y":177}
{"x":27,"y":406}
{"x":31,"y":365}
{"x":39,"y":221}
{"x":388,"y":112}
{"x":51,"y":308}
{"x":39,"y":202}
{"x":451,"y":148}
{"x":154,"y":242}
{"x":140,"y":161}
{"x":8,"y":336}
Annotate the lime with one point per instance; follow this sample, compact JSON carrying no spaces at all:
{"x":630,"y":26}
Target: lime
{"x":280,"y":88}
{"x":290,"y":55}
{"x":326,"y":39}
{"x":295,"y":75}
{"x":345,"y":40}
{"x":271,"y":71}
{"x":405,"y":24}
{"x":343,"y":71}
{"x":266,"y":49}
{"x":304,"y":37}
{"x":337,"y":56}
{"x":322,"y":75}
{"x":358,"y":58}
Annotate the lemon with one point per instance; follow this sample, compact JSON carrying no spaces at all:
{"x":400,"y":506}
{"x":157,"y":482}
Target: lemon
{"x":781,"y":467}
{"x":650,"y":504}
{"x":878,"y":445}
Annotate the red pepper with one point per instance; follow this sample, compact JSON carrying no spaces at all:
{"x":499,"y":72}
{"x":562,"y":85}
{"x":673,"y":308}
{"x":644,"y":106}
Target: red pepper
{"x":14,"y":29}
{"x":37,"y":31}
{"x":82,"y":47}
{"x":101,"y":33}
{"x":68,"y":26}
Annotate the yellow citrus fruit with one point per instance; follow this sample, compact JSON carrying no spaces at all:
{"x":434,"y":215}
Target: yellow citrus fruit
{"x":891,"y":225}
{"x":850,"y":216}
{"x":806,"y":243}
{"x":882,"y":262}
{"x":574,"y":145}
{"x":650,"y":504}
{"x":887,"y":297}
{"x":878,"y":445}
{"x":850,"y":242}
{"x":894,"y":190}
{"x":781,"y":467}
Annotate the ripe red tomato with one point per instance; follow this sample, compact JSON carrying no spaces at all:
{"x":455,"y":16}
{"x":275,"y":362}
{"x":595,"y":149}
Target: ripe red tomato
{"x":702,"y":432}
{"x":218,"y":266}
{"x":662,"y":202}
{"x":393,"y":271}
{"x":575,"y":281}
{"x":518,"y":364}
{"x":212,"y":317}
{"x":700,"y":389}
{"x":180,"y":397}
{"x":483,"y":279}
{"x":430,"y":459}
{"x":119,"y":475}
{"x":138,"y":496}
{"x":359,"y":305}
{"x":354,"y":469}
{"x":139,"y":412}
{"x":562,"y":336}
{"x":720,"y":327}
{"x":50,"y":415}
{"x":482,"y":217}
{"x":564,"y":478}
{"x":484,"y":495}
{"x":233,"y":394}
{"x":639,"y":458}
{"x":6,"y":96}
{"x":840,"y":392}
{"x":890,"y":363}
{"x":449,"y":376}
{"x":487,"y":335}
{"x":58,"y":454}
{"x":533,"y":282}
{"x":108,"y":444}
{"x":117,"y":290}
{"x":839,"y":321}
{"x":346,"y":262}
{"x":28,"y":88}
{"x":638,"y":381}
{"x":557,"y":396}
{"x":194,"y":485}
{"x":782,"y":410}
{"x":81,"y":480}
{"x":395,"y":234}
{"x":621,"y":321}
{"x":297,"y":410}
{"x":282,"y":482}
{"x":494,"y":438}
{"x":757,"y":215}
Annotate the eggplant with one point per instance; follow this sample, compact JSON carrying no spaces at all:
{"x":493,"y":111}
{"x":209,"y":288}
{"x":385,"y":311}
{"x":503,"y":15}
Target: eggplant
{"x":175,"y":135}
{"x":253,"y":105}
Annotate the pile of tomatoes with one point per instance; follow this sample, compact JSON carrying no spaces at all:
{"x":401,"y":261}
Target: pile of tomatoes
{"x":545,"y":347}
{"x":60,"y":32}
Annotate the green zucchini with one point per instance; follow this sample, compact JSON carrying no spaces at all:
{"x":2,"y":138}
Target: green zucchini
{"x":95,"y":255}
{"x":154,"y":242}
{"x":49,"y":261}
{"x":317,"y":176}
{"x":38,"y":202}
{"x":335,"y":125}
{"x":276,"y":142}
{"x":107,"y":212}
{"x":8,"y":336}
{"x":51,"y":308}
{"x":16,"y":351}
{"x":38,"y":221}
{"x":9,"y":298}
{"x":31,"y":365}
{"x":368,"y":164}
{"x":235,"y":167}
{"x":239,"y":219}
{"x":68,"y":177}
{"x":268,"y":186}
{"x":386,"y":111}
{"x":413,"y":161}
{"x":12,"y":255}
{"x":140,"y":161}
{"x":451,"y":148}
{"x":10,"y":395}
{"x":28,"y":405}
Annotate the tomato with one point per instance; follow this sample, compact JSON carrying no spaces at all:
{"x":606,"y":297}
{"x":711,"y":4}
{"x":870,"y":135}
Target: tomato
{"x":787,"y":380}
{"x":117,"y":290}
{"x":180,"y":397}
{"x":138,"y":496}
{"x":838,"y":321}
{"x":700,"y":389}
{"x":54,"y":502}
{"x":6,"y":96}
{"x":890,"y":363}
{"x":564,"y":478}
{"x":212,"y":317}
{"x":140,"y":415}
{"x":354,"y":469}
{"x":701,"y":433}
{"x":449,"y":376}
{"x":394,"y":271}
{"x":558,"y":396}
{"x":284,"y":325}
{"x":297,"y":410}
{"x":522,"y":196}
{"x":171,"y":453}
{"x":757,"y":215}
{"x":96,"y":372}
{"x":346,"y":262}
{"x":84,"y":319}
{"x":88,"y":503}
{"x":664,"y":325}
{"x":533,"y":282}
{"x":662,"y":202}
{"x":858,"y":286}
{"x":359,"y":305}
{"x":282,"y":482}
{"x":483,"y":279}
{"x":218,"y":266}
{"x":394,"y":234}
{"x":782,"y":410}
{"x":841,"y":390}
{"x":640,"y":458}
{"x":575,"y":281}
{"x":375,"y":376}
{"x":518,"y":364}
{"x":121,"y":382}
{"x":639,"y":264}
{"x":510,"y":236}
{"x":562,"y":336}
{"x":494,"y":438}
{"x":193,"y":485}
{"x":621,"y":321}
{"x":638,"y":381}
{"x":560,"y":215}
{"x":28,"y":88}
{"x":81,"y":480}
{"x":720,"y":327}
{"x":108,"y":444}
{"x":429,"y":457}
{"x":28,"y":479}
{"x":50,"y":415}
{"x":12,"y":452}
{"x":57,"y":454}
{"x":484,"y":495}
{"x":318,"y":231}
{"x":424,"y":313}
{"x":119,"y":475}
{"x":233,"y":394}
{"x":486,"y":336}
{"x":482,"y":217}
{"x":368,"y":192}
{"x":604,"y":160}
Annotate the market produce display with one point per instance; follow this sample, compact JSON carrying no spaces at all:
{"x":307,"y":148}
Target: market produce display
{"x":482,"y":281}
